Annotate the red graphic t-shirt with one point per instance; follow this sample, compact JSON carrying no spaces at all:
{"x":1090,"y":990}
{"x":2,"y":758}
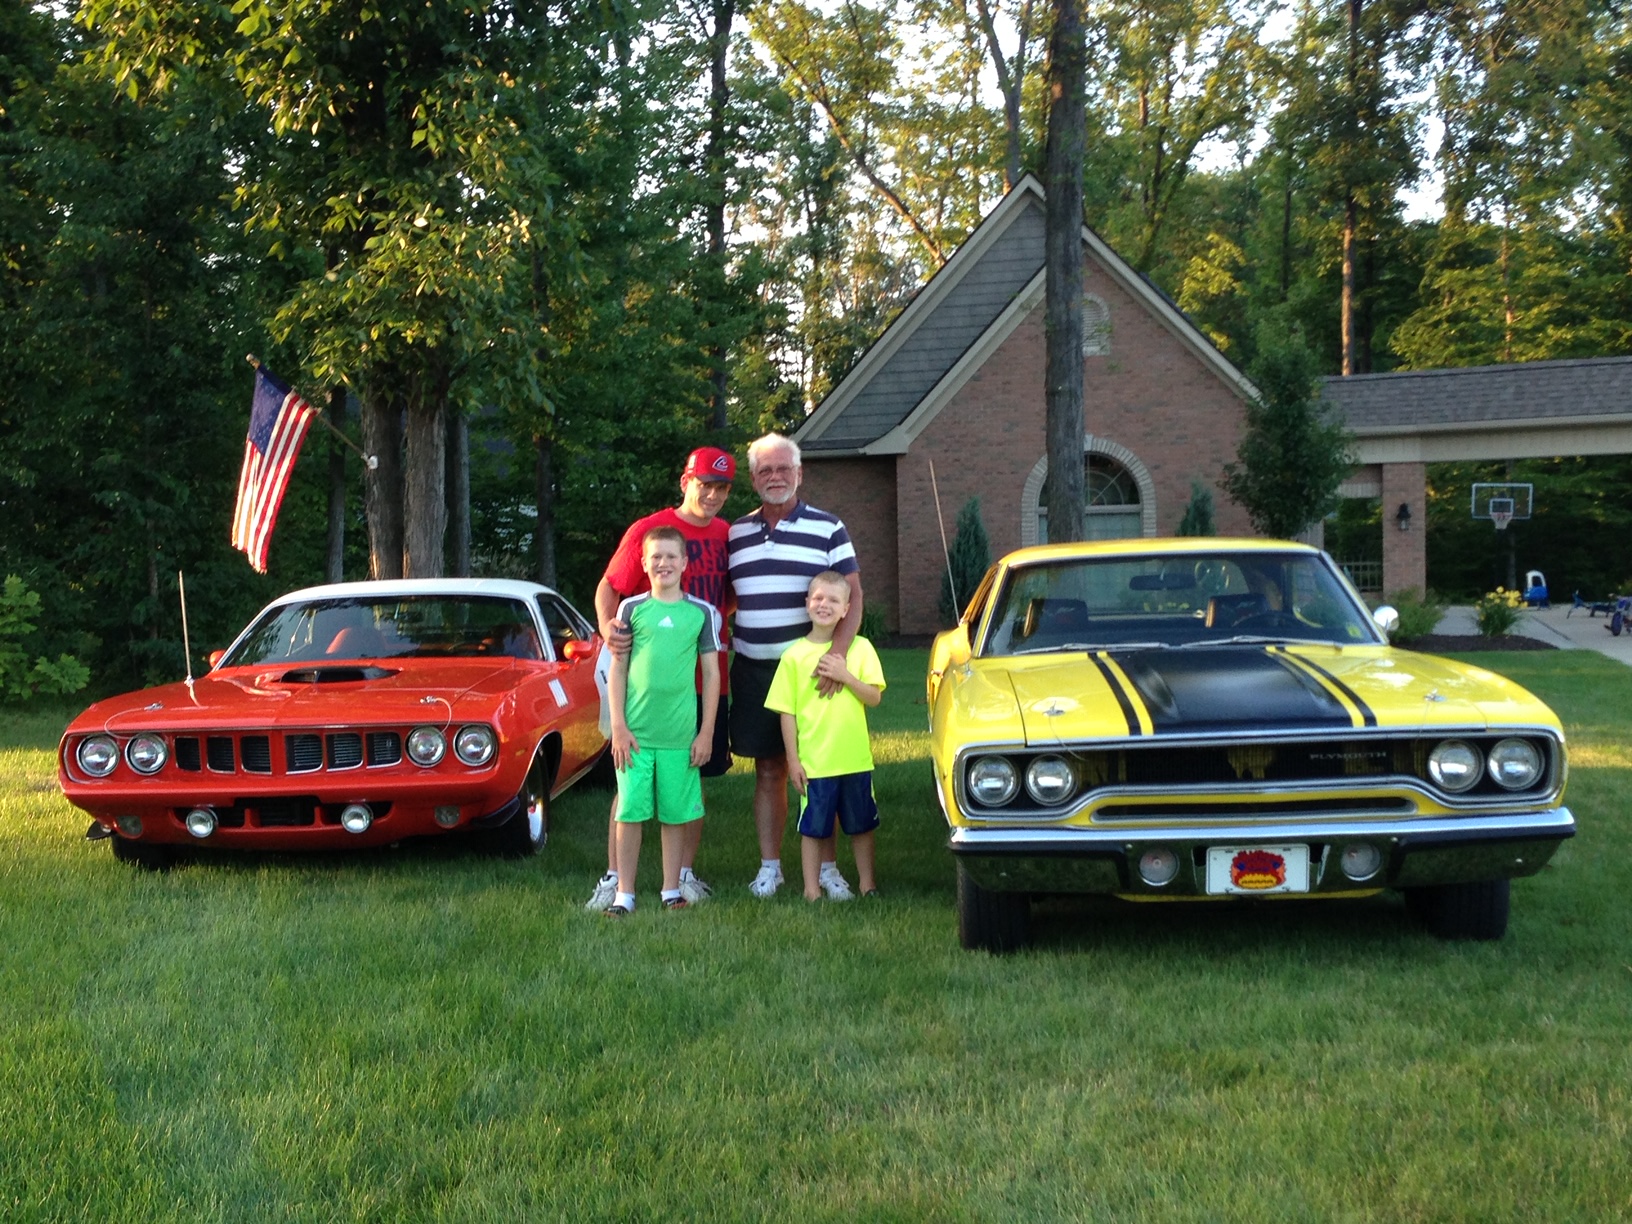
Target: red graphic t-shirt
{"x":707,"y":573}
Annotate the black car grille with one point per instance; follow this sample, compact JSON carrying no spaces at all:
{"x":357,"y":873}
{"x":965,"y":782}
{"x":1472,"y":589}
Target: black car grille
{"x":345,"y":750}
{"x":303,"y":752}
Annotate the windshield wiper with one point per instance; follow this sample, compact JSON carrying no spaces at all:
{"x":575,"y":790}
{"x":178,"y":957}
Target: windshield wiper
{"x":1090,"y":647}
{"x":1242,"y":639}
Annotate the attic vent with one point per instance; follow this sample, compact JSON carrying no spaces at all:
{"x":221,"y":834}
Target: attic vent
{"x":1096,"y":327}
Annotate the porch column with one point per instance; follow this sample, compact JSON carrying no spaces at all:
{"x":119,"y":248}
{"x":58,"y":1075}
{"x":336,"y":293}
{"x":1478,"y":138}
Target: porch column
{"x":1405,"y":551}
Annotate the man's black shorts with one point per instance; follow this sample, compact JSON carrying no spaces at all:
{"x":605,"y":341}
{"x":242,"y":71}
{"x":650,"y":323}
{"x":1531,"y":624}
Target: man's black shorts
{"x":755,"y":731}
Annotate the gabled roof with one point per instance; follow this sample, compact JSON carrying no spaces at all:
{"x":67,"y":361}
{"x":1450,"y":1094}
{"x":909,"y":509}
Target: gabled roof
{"x":957,"y":320}
{"x":1555,"y":393}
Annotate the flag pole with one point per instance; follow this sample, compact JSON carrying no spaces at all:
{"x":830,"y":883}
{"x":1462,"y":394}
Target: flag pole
{"x":322,"y":418}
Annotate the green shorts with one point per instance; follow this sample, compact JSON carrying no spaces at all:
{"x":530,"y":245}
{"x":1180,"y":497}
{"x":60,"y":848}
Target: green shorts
{"x":661,"y":782}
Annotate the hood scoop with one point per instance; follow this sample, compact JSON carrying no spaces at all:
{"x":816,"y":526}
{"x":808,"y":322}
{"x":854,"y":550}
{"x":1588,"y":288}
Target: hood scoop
{"x":335,"y":675}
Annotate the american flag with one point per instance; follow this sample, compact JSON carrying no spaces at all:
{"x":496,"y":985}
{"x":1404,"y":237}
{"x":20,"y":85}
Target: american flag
{"x":278,"y":421}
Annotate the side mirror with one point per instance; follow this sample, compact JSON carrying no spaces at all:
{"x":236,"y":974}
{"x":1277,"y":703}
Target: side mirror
{"x":950,"y":649}
{"x":958,"y":651}
{"x":579,"y":649}
{"x":215,"y":657}
{"x":1386,"y":618}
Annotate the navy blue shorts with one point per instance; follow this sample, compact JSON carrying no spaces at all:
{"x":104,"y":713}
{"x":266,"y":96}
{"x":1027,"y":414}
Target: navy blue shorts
{"x":850,"y":796}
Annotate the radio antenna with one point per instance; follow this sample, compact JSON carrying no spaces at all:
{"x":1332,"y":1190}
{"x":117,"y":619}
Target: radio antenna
{"x":946,"y":552}
{"x":186,"y":644}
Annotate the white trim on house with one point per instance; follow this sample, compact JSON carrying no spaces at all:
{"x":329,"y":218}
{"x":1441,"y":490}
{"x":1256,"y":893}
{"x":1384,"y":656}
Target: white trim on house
{"x":1031,"y":494}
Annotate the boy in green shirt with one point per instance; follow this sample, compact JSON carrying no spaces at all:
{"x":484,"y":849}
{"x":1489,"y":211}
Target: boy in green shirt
{"x":830,"y":757}
{"x":652,"y":694}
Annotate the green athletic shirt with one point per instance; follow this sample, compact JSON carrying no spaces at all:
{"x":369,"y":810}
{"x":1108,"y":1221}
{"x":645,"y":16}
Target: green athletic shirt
{"x":832,"y":730}
{"x":660,"y":699}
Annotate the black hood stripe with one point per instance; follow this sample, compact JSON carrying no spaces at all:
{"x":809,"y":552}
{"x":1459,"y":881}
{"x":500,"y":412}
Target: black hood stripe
{"x":1112,"y":683}
{"x":1368,"y":716}
{"x":1231,"y":688}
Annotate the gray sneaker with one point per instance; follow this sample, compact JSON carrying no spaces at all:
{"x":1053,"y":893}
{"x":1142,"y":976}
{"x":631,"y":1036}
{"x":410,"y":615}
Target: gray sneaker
{"x":694,"y":890}
{"x":606,"y":892}
{"x":836,"y":887}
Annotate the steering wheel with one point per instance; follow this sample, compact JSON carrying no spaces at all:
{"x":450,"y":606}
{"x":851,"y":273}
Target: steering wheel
{"x":1272,"y":618}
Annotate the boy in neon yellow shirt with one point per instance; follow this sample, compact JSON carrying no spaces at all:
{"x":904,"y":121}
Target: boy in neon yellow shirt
{"x":830,"y":758}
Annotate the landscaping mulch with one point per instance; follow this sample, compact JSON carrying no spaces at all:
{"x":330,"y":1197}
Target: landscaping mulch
{"x":1464,"y":643}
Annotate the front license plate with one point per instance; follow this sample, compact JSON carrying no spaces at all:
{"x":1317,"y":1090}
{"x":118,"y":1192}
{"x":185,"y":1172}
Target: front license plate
{"x":1256,"y":870}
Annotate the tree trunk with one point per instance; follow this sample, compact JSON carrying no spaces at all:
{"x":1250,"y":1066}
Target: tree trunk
{"x":1350,"y":213}
{"x":425,"y":460}
{"x":544,"y":493}
{"x":719,"y":96}
{"x":382,"y":484}
{"x":458,"y":495}
{"x":1067,"y":138}
{"x":334,"y":568}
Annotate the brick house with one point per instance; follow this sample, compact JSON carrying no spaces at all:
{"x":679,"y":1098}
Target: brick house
{"x":957,"y":381}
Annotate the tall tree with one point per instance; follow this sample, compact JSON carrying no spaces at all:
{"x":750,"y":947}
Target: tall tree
{"x":1065,"y":492}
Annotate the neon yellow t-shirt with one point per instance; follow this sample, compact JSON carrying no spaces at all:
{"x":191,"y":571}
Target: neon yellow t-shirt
{"x":832,"y":731}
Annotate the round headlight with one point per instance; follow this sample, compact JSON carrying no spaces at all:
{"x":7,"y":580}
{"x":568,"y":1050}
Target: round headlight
{"x":97,"y":755}
{"x":426,"y":746}
{"x":1158,"y":866}
{"x":146,"y":754}
{"x":1049,"y":780}
{"x":1514,"y":764}
{"x":1454,"y":765}
{"x":474,"y":745}
{"x":356,"y":817}
{"x":1360,"y":860}
{"x":993,"y":781}
{"x":201,"y":822}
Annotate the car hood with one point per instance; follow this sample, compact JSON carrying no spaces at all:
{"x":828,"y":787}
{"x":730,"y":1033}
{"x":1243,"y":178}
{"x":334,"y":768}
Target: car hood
{"x":1247,"y":689}
{"x":390,"y":692}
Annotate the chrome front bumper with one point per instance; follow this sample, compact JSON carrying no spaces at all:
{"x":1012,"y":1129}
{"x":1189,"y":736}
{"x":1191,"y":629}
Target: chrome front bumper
{"x":1436,"y":850}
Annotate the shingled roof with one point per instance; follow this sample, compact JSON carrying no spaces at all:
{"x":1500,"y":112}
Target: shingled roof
{"x":1416,"y":401}
{"x":990,"y":285}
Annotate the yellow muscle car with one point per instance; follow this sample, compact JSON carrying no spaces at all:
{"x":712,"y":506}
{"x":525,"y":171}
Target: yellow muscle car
{"x":1222,"y":719}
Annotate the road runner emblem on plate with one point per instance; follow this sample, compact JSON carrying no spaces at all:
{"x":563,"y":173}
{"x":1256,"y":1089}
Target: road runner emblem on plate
{"x":1257,"y":870}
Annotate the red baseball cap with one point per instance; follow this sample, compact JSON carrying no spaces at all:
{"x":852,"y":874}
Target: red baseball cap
{"x":710,"y":464}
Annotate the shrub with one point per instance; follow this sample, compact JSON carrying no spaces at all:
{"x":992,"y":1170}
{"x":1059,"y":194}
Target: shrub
{"x":970,"y":558}
{"x":873,"y":616}
{"x":20,"y":678}
{"x":1498,"y":611}
{"x":1419,"y":614}
{"x":1198,"y":515}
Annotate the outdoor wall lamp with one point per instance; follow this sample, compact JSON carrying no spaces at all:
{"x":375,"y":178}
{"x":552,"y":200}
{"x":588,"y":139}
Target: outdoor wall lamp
{"x":1402,"y":519}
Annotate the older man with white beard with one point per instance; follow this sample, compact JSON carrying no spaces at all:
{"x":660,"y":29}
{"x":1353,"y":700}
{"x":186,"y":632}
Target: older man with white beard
{"x":774,"y":553}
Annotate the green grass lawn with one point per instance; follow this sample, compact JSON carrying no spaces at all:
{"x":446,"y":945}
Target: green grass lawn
{"x":426,"y":1034}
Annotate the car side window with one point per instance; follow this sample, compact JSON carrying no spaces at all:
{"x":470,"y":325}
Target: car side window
{"x":562,"y":625}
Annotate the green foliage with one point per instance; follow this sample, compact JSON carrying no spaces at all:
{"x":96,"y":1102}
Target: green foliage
{"x":1292,"y":455}
{"x":1498,"y":611}
{"x":874,"y":622}
{"x":1198,"y":512}
{"x":1419,"y":614}
{"x":971,"y":557}
{"x":19,"y":678}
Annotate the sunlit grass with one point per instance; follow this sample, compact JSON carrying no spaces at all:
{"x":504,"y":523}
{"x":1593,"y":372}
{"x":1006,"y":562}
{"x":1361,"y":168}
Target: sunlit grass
{"x":427,"y":1034}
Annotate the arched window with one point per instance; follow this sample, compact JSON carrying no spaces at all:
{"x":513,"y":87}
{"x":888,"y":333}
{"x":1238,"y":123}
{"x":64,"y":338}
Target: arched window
{"x":1115,"y":503}
{"x":1096,"y":327}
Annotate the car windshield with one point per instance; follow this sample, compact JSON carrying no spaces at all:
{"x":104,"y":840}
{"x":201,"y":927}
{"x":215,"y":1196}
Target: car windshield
{"x":393,"y":627}
{"x":1174,"y":600}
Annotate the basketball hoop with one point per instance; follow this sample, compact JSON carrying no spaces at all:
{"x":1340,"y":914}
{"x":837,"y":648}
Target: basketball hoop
{"x":1501,"y":518}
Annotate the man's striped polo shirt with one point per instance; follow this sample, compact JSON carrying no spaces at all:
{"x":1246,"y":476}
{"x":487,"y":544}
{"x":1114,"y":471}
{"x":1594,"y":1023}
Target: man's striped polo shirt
{"x":771,"y":570}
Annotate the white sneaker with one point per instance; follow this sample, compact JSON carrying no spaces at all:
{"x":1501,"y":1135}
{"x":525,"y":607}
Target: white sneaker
{"x":766,"y":882}
{"x":836,"y":886}
{"x":694,"y":890}
{"x":606,"y":891}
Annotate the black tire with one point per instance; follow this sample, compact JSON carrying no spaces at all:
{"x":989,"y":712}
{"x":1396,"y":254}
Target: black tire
{"x":1462,"y":911}
{"x":1617,"y":622}
{"x":149,"y":856}
{"x":991,"y":921}
{"x":525,"y":833}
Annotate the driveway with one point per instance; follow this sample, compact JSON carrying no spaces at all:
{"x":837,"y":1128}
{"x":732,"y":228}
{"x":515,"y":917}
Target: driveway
{"x":1556,"y":625}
